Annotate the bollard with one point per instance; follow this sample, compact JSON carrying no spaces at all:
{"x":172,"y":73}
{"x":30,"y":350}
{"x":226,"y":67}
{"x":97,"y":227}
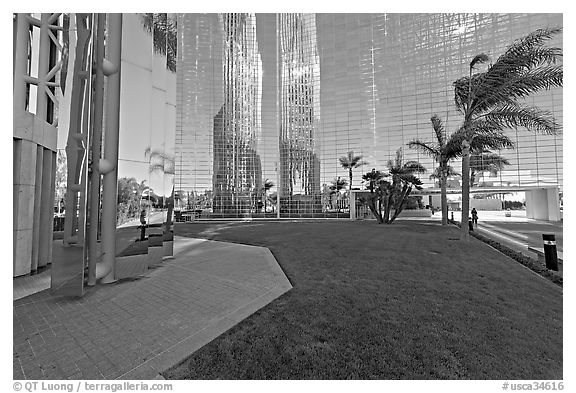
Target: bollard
{"x":470,"y":224}
{"x":550,"y":251}
{"x":452,"y":216}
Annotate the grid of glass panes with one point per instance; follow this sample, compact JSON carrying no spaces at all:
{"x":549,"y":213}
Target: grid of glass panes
{"x":280,"y":98}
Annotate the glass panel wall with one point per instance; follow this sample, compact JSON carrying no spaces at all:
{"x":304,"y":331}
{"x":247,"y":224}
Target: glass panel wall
{"x":266,"y":104}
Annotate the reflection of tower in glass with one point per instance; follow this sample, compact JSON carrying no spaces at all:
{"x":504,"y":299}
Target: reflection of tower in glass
{"x":199,"y":96}
{"x":299,"y":104}
{"x":237,"y":125}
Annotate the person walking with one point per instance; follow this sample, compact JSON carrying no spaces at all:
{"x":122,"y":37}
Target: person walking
{"x":474,"y":217}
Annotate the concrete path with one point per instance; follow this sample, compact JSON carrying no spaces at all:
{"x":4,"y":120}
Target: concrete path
{"x":135,"y":329}
{"x":517,"y":232}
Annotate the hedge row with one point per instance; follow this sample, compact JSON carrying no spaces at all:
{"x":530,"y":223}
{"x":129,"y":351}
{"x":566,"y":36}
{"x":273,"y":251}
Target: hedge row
{"x":530,"y":263}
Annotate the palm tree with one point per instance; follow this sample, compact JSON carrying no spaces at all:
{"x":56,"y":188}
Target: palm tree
{"x":163,"y":162}
{"x":404,"y":178}
{"x":442,"y":151}
{"x":376,"y":184}
{"x":337,"y":185}
{"x":489,"y":100}
{"x":450,"y":173}
{"x":485,"y":161}
{"x":164,"y":36}
{"x":350,"y":162}
{"x":447,"y":148}
{"x":268,"y":184}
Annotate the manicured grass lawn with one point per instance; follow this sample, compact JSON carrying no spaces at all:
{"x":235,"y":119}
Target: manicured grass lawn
{"x":401,"y":301}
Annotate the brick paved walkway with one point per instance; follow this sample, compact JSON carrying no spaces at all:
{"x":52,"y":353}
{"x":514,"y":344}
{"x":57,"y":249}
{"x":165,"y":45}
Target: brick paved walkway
{"x":136,"y":329}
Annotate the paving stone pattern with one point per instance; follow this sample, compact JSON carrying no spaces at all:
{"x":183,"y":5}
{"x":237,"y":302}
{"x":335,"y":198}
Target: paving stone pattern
{"x":137,"y":328}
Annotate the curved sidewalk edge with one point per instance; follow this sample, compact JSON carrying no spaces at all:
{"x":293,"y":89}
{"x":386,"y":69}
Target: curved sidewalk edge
{"x":253,"y":269}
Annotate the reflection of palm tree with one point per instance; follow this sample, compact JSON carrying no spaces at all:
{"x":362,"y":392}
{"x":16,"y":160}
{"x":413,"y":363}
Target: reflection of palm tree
{"x":486,"y":161}
{"x":350,"y":162}
{"x":160,"y":161}
{"x":129,"y":198}
{"x":450,"y":173}
{"x":164,"y":36}
{"x":489,"y":100}
{"x":179,"y":196}
{"x":337,"y":185}
{"x":268,"y":184}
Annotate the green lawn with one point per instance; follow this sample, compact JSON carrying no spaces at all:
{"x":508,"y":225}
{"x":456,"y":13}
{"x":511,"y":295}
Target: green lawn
{"x":401,"y":301}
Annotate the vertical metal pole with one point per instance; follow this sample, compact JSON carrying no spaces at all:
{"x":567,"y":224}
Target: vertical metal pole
{"x":98,"y":103}
{"x":110,"y":178}
{"x":278,"y":92}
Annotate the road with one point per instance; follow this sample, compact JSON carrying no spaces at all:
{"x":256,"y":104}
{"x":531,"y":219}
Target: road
{"x":517,"y":231}
{"x":156,"y":217}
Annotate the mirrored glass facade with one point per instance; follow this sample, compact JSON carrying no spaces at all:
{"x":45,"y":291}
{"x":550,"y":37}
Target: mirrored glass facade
{"x":267,"y":103}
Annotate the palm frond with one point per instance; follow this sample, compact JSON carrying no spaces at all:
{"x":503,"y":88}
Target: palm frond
{"x":485,"y":135}
{"x":491,"y":140}
{"x":525,"y":67}
{"x":414,"y":167}
{"x":351,"y":161}
{"x":373,"y":175}
{"x":461,"y":87}
{"x":450,"y":171}
{"x":479,"y":59}
{"x":525,"y":53}
{"x":531,"y":118}
{"x":438,"y":127}
{"x":163,"y":30}
{"x":494,"y":90}
{"x":425,"y":147}
{"x":487,"y":161}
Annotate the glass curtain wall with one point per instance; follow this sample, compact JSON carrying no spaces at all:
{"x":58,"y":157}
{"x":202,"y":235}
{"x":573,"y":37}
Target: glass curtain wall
{"x":147,"y":131}
{"x":268,"y":103}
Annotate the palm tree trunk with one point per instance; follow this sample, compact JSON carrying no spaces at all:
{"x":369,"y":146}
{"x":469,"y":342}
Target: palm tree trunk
{"x":376,"y":210}
{"x":388,"y":206}
{"x":443,"y":198}
{"x":399,"y":206}
{"x":168,"y":226}
{"x":464,"y":234}
{"x":350,"y":173}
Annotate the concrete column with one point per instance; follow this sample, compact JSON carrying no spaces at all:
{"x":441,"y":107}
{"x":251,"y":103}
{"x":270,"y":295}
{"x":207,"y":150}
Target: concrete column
{"x":51,"y":199}
{"x":37,"y":207}
{"x":20,"y":60}
{"x":23,"y":194}
{"x":538,"y":202}
{"x":529,"y":204}
{"x":46,"y":210}
{"x":110,"y":179}
{"x":553,"y":204}
{"x":43,"y":63}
